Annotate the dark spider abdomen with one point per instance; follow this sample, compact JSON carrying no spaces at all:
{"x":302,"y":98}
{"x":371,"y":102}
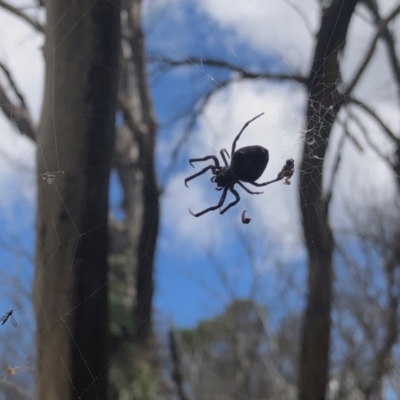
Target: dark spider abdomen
{"x":249,"y":163}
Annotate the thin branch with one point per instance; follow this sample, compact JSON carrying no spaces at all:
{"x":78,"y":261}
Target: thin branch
{"x":14,"y":86}
{"x":199,"y":108}
{"x":178,"y":370}
{"x":336,"y":168}
{"x":392,"y":330}
{"x":371,"y":144}
{"x":17,"y":115}
{"x":375,"y":116}
{"x":352,"y":138}
{"x":368,"y":55}
{"x":201,"y":62}
{"x":19,"y":13}
{"x":130,"y":122}
{"x":196,"y":61}
{"x":302,"y":16}
{"x":389,"y":40}
{"x":14,"y":391}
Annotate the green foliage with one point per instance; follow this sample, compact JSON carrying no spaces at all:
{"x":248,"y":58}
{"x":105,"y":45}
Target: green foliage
{"x":122,"y":293}
{"x":143,"y":387}
{"x":230,"y":346}
{"x":131,"y":378}
{"x":242,"y":314}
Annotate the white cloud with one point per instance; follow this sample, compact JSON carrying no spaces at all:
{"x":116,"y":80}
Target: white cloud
{"x":20,"y":51}
{"x":182,"y":227}
{"x":272,"y":26}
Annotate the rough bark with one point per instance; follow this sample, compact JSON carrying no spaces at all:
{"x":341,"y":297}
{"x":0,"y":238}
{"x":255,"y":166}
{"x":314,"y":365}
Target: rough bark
{"x":322,"y":108}
{"x":139,"y":118}
{"x":76,"y":135}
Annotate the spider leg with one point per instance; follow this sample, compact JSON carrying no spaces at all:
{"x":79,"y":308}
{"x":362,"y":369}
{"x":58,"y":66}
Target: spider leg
{"x":220,"y":203}
{"x":248,"y":190}
{"x":200,"y":173}
{"x":241,"y":131}
{"x":216,"y":161}
{"x":236,"y":194}
{"x":265,"y":183}
{"x":223,"y":152}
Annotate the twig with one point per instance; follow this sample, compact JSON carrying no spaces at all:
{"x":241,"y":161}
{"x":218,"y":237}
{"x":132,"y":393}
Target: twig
{"x":392,"y":330}
{"x":389,"y":40}
{"x":18,"y":12}
{"x":302,"y":16}
{"x":177,"y":373}
{"x":199,"y":108}
{"x":196,"y":61}
{"x":375,"y":116}
{"x":11,"y":80}
{"x":130,"y":122}
{"x":368,"y":55}
{"x":335,"y":169}
{"x":14,"y":391}
{"x":17,"y":115}
{"x":371,"y":144}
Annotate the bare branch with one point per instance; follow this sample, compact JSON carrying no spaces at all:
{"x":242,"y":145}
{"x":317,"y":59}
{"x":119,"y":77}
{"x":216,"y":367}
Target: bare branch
{"x":389,"y":39}
{"x":19,"y":13}
{"x":14,"y":391}
{"x":11,"y":80}
{"x":336,"y":167}
{"x":17,"y":115}
{"x":201,"y":62}
{"x":196,"y":61}
{"x":302,"y":15}
{"x":368,"y":55}
{"x":371,"y":144}
{"x":178,"y":371}
{"x":376,"y":117}
{"x":199,"y":108}
{"x":392,"y":330}
{"x":352,"y":138}
{"x":130,"y":122}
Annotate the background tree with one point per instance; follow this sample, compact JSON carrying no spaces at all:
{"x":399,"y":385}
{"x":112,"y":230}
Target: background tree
{"x":322,"y":108}
{"x":74,"y":140}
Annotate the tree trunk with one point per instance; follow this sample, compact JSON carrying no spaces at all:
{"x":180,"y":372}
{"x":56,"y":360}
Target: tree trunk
{"x":76,"y":136}
{"x":322,"y":108}
{"x":139,"y":118}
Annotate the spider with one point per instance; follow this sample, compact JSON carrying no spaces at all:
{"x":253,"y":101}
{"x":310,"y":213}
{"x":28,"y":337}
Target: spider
{"x":247,"y":165}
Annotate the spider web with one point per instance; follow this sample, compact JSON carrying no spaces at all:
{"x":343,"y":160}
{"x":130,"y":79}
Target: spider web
{"x":281,"y":131}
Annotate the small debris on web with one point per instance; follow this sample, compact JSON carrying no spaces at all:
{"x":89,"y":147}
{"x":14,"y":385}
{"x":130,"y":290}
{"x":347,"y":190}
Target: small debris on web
{"x":13,"y":370}
{"x":287,"y":171}
{"x":49,"y":177}
{"x":245,"y":220}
